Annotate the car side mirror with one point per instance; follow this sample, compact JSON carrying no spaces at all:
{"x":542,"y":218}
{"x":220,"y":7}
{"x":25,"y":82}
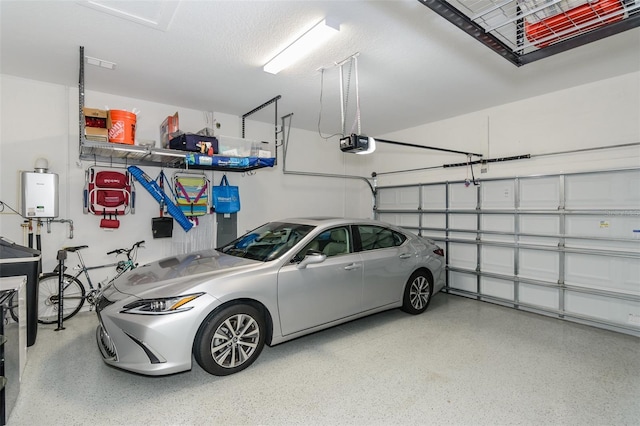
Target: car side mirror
{"x":312,"y":257}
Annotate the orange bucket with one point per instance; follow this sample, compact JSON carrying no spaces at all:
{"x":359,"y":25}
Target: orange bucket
{"x":123,"y":127}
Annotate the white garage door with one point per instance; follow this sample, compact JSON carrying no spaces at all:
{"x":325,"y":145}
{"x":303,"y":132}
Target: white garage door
{"x":562,"y":245}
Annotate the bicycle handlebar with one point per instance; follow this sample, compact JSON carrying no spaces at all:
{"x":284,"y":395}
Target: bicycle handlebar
{"x":127,"y":251}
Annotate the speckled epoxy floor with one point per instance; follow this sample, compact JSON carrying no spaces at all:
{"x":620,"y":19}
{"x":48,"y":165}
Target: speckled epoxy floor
{"x":463,"y":362}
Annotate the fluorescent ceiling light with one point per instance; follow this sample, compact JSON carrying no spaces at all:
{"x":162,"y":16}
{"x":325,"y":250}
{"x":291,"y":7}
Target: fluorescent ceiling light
{"x":310,"y":40}
{"x":156,"y":14}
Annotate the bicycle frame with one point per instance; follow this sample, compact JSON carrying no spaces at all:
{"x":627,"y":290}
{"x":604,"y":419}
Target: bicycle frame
{"x":83,"y":269}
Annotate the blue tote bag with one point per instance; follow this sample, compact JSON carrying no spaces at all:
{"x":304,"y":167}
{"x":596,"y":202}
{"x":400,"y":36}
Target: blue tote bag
{"x":226,"y":198}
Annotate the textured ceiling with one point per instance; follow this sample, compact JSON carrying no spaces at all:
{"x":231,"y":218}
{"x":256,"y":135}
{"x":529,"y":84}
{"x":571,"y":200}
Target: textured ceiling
{"x":414,"y":67}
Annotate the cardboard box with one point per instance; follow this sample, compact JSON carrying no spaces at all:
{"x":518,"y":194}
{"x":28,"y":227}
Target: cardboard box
{"x":96,"y":124}
{"x":96,"y":134}
{"x":96,"y":118}
{"x":169,"y":125}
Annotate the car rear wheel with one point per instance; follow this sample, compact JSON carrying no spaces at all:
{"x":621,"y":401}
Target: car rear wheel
{"x":230,"y":340}
{"x":417,"y":293}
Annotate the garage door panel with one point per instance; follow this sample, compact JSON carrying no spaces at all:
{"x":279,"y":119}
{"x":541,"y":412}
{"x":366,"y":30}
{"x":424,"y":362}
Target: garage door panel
{"x":399,"y":198}
{"x":463,"y":221}
{"x":602,"y":245}
{"x":497,"y":223}
{"x":546,"y":297}
{"x":470,"y":236}
{"x":602,"y":272}
{"x":462,"y":197}
{"x":434,"y":197}
{"x":540,"y":241}
{"x":604,"y":227}
{"x":434,"y":220}
{"x":602,"y":307}
{"x":497,"y":260}
{"x":539,"y":224}
{"x":498,"y":194}
{"x":614,"y":190}
{"x":500,"y":223}
{"x":460,"y":281}
{"x":540,"y":193}
{"x":391,"y":218}
{"x":497,"y":288}
{"x":463,"y":255}
{"x":405,"y":220}
{"x":438,"y":236}
{"x":539,"y":265}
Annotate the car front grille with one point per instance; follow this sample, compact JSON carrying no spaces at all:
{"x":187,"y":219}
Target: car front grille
{"x":107,"y":348}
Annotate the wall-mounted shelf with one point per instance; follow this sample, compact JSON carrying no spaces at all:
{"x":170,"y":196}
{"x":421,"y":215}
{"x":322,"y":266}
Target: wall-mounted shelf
{"x":105,"y":152}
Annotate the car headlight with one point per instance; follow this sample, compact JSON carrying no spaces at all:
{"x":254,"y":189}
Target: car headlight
{"x":161,"y":306}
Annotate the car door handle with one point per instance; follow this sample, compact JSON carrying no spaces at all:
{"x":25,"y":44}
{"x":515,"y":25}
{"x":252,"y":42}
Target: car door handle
{"x":352,"y":266}
{"x":405,"y":256}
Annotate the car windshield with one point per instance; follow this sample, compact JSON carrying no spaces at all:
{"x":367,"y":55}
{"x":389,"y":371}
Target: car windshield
{"x":267,"y":242}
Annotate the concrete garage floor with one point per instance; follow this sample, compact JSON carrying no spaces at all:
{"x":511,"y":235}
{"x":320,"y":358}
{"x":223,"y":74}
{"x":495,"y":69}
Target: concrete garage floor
{"x":463,"y":362}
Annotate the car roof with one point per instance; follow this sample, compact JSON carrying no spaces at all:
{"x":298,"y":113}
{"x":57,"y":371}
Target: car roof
{"x":333,"y":221}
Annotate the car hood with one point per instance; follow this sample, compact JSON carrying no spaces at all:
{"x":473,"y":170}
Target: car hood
{"x":178,"y":272}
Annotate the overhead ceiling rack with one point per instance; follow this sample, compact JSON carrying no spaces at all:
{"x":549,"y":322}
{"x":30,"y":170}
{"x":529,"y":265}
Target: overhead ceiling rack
{"x":524,"y":31}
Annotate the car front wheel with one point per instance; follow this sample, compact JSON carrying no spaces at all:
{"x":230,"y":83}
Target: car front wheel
{"x":230,"y":340}
{"x":417,"y":293}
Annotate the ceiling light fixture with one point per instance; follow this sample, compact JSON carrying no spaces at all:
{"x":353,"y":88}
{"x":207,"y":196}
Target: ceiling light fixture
{"x":156,"y":14}
{"x":310,"y":40}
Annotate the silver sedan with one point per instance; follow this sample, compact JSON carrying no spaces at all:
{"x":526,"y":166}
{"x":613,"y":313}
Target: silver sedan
{"x":280,"y":281}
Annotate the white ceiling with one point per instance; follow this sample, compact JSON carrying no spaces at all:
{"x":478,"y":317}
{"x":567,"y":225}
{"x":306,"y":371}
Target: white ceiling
{"x":414,"y":67}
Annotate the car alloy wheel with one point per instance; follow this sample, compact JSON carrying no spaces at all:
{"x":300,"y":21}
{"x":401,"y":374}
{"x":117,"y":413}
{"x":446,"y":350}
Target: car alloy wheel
{"x":230,"y":340}
{"x":235,"y":340}
{"x":417,"y":294}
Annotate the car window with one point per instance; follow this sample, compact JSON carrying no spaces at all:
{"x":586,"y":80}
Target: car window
{"x":377,"y":237}
{"x":332,"y":242}
{"x":267,"y":242}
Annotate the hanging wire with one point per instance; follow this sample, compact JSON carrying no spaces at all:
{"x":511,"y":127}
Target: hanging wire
{"x":354,"y":61}
{"x":320,"y":113}
{"x":466,"y":180}
{"x":345,"y":100}
{"x":473,"y":180}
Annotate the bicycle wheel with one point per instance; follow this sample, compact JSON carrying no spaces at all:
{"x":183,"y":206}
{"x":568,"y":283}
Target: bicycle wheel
{"x":48,"y":297}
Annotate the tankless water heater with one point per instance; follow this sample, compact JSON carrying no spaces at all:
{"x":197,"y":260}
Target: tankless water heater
{"x":39,"y":195}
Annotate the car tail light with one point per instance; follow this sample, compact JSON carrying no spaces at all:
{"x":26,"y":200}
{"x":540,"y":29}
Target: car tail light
{"x":439,"y":252}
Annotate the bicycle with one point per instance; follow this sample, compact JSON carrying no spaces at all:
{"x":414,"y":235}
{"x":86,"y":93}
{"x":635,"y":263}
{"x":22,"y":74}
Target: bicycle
{"x":74,"y":292}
